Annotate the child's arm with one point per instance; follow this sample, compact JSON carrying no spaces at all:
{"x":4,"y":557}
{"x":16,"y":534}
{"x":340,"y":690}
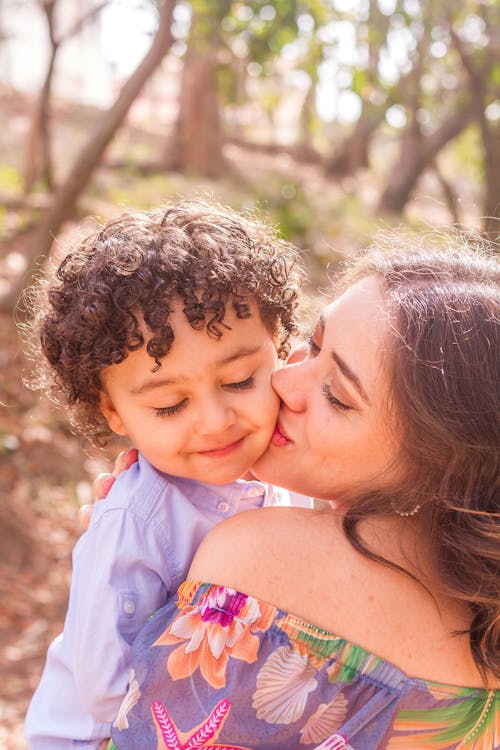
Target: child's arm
{"x":120,"y":578}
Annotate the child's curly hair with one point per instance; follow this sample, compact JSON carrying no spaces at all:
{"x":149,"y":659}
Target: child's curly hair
{"x":126,"y":276}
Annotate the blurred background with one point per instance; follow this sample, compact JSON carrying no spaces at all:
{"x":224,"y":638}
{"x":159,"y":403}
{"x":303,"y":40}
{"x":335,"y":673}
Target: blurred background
{"x":332,"y":118}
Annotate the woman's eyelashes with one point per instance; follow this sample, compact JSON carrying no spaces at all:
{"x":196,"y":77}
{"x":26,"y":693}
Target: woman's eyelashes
{"x":314,"y":350}
{"x":170,"y":411}
{"x":313,"y":347}
{"x":333,"y":400}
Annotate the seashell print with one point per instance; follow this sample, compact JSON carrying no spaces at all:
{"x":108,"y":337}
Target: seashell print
{"x":335,"y":742}
{"x":131,"y":698}
{"x":324,"y":721}
{"x":283,"y":684}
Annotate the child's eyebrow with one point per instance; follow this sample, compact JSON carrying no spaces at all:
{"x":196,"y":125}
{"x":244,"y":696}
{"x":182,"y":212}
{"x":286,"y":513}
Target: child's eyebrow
{"x":243,"y":352}
{"x":153,"y":383}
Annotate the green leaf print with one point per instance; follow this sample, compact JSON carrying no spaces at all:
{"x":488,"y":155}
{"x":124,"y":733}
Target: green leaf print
{"x":471,"y":724}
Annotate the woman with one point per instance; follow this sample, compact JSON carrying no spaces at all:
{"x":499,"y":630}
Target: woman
{"x":374,"y":624}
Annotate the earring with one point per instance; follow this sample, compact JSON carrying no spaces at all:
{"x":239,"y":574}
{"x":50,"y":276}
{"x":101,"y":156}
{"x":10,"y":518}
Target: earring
{"x":407,"y":513}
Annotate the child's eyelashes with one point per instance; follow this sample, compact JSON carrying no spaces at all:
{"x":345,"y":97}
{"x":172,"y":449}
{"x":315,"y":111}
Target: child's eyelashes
{"x":170,"y":411}
{"x":332,"y":400}
{"x":247,"y":383}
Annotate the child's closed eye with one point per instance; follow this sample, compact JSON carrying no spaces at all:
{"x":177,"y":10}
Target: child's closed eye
{"x":170,"y":411}
{"x":241,"y":384}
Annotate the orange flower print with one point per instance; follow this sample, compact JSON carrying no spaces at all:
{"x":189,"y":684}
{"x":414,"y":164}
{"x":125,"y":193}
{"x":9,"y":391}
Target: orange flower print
{"x":220,"y":625}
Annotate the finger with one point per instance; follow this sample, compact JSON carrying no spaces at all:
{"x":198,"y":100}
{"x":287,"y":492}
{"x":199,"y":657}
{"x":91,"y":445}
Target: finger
{"x":131,"y":457}
{"x":124,"y":460}
{"x":102,"y":485}
{"x":119,"y":463}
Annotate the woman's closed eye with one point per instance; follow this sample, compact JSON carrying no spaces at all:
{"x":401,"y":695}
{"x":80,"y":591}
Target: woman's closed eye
{"x":313,"y":347}
{"x":333,"y":400}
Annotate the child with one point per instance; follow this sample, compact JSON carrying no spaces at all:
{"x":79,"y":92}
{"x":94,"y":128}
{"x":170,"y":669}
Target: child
{"x":164,"y":326}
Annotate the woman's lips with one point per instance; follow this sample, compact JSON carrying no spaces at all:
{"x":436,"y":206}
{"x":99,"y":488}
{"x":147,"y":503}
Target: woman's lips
{"x":279,"y":439}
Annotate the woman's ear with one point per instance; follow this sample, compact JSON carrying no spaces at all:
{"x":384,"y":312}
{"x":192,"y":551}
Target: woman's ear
{"x":111,"y":415}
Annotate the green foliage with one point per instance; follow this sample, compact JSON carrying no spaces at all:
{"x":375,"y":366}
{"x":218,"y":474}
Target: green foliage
{"x":291,"y":210}
{"x":465,"y":152}
{"x":359,"y":82}
{"x":3,"y":220}
{"x":138,"y":191}
{"x":494,"y":78}
{"x":10,"y":178}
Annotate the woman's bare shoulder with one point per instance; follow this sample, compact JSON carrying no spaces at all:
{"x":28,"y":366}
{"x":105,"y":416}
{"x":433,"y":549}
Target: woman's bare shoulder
{"x":245,"y":550}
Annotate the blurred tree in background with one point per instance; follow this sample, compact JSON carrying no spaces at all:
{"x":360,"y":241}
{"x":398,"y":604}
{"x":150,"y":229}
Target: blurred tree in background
{"x":38,"y":163}
{"x":334,"y":118}
{"x":403,"y":76}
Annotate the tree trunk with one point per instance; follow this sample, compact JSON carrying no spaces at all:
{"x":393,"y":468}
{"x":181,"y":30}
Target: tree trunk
{"x":38,"y":160}
{"x":307,"y":114}
{"x":416,"y":155}
{"x":478,"y":75}
{"x":353,"y":154}
{"x":491,"y":223}
{"x":198,"y":142}
{"x":86,"y":162}
{"x":449,"y":194}
{"x":490,"y":137}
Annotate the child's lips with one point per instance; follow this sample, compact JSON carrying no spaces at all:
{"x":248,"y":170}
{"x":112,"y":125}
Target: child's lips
{"x":279,"y":437}
{"x":223,"y":450}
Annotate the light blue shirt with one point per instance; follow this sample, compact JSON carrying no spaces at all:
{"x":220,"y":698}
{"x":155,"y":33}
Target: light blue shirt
{"x":136,"y":552}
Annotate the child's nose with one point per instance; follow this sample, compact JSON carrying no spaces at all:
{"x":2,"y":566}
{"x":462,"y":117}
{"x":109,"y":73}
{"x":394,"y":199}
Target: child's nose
{"x":289,"y":383}
{"x":215,"y":416}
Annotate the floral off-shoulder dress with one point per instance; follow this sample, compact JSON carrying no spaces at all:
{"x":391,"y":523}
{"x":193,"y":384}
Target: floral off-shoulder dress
{"x":219,"y":669}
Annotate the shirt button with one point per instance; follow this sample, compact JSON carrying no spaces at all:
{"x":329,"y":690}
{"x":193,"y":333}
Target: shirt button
{"x":254,"y":491}
{"x":223,"y":507}
{"x":129,"y":607}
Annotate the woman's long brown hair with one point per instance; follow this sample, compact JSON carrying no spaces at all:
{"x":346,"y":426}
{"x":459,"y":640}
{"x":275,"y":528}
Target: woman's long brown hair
{"x":443,"y":308}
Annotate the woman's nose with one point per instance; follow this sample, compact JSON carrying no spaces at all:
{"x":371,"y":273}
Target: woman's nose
{"x":289,"y":384}
{"x":298,"y":354}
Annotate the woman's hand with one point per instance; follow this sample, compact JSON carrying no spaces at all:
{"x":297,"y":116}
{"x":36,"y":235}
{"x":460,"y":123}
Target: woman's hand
{"x":104,"y":482}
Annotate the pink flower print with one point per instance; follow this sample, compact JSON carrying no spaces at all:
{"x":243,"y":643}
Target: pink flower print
{"x":222,"y":624}
{"x":222,"y":606}
{"x":202,"y":736}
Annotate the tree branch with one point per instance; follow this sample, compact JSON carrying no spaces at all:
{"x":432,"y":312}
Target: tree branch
{"x":87,"y":160}
{"x":81,"y":22}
